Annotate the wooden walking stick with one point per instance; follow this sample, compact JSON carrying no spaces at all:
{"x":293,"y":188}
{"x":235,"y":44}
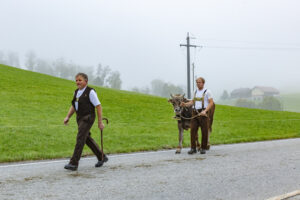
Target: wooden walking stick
{"x":102,"y":139}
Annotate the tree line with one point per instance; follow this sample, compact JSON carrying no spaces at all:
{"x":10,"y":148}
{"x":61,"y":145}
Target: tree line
{"x":160,"y":88}
{"x":99,"y":75}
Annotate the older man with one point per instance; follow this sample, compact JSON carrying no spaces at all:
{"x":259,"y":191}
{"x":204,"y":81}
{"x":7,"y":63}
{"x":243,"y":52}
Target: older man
{"x":203,"y":102}
{"x":84,"y":103}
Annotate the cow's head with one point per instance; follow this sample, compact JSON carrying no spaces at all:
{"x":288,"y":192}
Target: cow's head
{"x":176,"y":101}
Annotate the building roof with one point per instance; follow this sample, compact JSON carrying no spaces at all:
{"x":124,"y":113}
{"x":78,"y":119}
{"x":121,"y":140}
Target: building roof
{"x":267,"y":89}
{"x":240,"y":90}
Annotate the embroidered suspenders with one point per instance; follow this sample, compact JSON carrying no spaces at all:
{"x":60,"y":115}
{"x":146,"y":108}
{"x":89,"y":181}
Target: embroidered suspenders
{"x":199,"y":99}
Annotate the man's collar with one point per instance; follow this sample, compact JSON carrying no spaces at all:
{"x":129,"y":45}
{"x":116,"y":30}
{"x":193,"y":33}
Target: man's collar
{"x":201,"y":89}
{"x":82,"y":89}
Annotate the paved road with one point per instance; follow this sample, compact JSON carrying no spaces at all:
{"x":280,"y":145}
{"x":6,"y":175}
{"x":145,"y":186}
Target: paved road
{"x":240,"y":171}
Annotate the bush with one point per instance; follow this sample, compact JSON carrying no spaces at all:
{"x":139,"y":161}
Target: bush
{"x":245,"y":103}
{"x":270,"y":103}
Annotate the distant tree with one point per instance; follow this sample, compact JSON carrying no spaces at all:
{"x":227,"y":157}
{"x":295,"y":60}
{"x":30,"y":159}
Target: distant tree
{"x":2,"y":58}
{"x":245,"y":103}
{"x":161,"y":88}
{"x":170,"y":88}
{"x":30,"y":60}
{"x":62,"y":68}
{"x":73,"y":70}
{"x":157,"y":87}
{"x":44,"y":67}
{"x":145,"y":90}
{"x":101,"y":75}
{"x":135,"y":89}
{"x":13,"y":59}
{"x":270,"y":103}
{"x":114,"y":80}
{"x":225,"y":95}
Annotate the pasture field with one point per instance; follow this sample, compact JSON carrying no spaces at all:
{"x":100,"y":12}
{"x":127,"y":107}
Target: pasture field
{"x":34,"y":105}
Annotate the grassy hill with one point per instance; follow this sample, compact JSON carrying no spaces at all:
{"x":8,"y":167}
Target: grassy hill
{"x":34,"y":105}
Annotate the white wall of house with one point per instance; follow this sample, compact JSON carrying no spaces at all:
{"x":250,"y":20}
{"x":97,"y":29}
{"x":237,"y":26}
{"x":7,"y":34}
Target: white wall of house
{"x":256,"y":92}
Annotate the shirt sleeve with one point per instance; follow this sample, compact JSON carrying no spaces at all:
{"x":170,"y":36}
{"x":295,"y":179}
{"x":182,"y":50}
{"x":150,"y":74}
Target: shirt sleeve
{"x":209,"y":94}
{"x":94,"y":98}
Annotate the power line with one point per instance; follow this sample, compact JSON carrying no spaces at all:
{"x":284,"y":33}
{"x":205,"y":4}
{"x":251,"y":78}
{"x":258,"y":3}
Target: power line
{"x":253,"y":42}
{"x":254,"y":48}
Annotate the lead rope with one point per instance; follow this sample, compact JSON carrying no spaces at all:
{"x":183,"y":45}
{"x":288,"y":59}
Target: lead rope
{"x":198,"y":114}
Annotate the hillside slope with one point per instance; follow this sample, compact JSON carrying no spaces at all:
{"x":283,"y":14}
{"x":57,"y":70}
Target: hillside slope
{"x":34,"y":105}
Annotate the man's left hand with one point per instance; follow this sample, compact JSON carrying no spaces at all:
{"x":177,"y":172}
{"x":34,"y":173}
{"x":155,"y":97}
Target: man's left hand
{"x":203,"y":113}
{"x":100,"y":125}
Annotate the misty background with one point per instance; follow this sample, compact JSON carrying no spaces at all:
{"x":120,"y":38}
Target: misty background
{"x":244,"y":43}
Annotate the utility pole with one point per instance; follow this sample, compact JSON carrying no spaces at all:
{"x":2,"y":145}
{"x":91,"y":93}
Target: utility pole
{"x":188,"y":45}
{"x":193,"y":76}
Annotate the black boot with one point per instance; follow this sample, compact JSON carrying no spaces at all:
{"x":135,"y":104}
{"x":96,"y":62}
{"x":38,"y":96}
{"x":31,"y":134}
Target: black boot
{"x":192,"y":151}
{"x":202,"y":151}
{"x":101,"y":162}
{"x":71,"y":167}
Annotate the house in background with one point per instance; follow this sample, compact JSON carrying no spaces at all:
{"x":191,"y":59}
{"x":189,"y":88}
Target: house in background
{"x":259,"y":92}
{"x":241,"y":93}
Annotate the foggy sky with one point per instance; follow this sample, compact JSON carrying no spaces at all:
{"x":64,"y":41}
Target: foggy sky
{"x":141,"y":38}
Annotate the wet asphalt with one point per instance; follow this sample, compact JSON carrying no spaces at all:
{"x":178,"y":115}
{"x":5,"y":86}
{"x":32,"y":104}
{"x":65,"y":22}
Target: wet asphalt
{"x":240,"y":171}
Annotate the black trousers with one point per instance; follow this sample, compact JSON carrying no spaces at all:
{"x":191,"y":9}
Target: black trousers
{"x":85,"y":123}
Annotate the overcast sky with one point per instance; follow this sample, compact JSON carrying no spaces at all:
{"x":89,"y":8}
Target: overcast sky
{"x":140,"y":38}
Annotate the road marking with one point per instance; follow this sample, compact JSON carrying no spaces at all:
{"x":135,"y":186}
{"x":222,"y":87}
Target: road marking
{"x":7,"y":165}
{"x":285,"y":196}
{"x":89,"y":158}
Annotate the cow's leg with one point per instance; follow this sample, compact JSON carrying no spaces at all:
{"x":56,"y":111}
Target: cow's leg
{"x":209,"y":132}
{"x":180,"y":137}
{"x":208,"y":144}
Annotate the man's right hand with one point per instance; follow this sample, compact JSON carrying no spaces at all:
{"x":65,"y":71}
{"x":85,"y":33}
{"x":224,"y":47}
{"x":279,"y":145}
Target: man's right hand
{"x":66,"y":120}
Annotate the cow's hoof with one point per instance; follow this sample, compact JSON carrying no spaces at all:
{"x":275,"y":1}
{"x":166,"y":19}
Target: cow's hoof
{"x":208,"y":147}
{"x":178,"y":151}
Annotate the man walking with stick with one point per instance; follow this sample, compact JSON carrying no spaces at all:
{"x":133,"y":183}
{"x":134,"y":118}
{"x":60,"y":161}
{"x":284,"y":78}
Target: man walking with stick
{"x":84,"y":102}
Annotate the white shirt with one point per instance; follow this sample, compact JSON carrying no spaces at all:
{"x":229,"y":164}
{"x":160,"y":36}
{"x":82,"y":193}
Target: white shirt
{"x":199,"y":94}
{"x":93,"y":98}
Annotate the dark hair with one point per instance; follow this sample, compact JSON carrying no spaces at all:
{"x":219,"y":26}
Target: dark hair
{"x":83,"y":76}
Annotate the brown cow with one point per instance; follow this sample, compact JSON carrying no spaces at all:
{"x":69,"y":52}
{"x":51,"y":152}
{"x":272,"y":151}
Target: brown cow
{"x":184,"y":115}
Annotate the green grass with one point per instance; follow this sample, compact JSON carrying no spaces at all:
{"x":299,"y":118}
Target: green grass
{"x":34,"y":105}
{"x":291,"y":102}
